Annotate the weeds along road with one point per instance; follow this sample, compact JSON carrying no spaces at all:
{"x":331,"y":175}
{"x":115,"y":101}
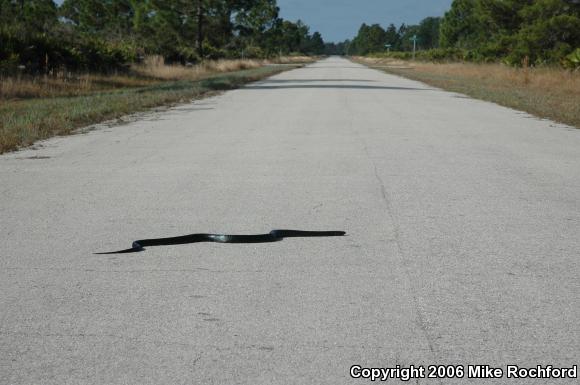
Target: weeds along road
{"x":463,"y":220}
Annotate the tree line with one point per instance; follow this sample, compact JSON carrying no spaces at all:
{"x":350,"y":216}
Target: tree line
{"x":373,"y":38}
{"x":515,"y":31}
{"x":39,"y":36}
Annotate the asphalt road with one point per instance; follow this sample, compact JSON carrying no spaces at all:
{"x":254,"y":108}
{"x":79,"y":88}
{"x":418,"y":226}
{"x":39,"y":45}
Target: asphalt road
{"x":463,"y":223}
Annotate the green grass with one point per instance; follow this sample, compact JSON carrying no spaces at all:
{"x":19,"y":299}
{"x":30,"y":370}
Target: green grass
{"x":25,"y":121}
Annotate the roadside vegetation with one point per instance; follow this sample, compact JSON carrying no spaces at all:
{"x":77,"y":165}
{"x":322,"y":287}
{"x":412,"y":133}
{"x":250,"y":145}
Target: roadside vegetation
{"x":43,"y":37}
{"x":153,"y":70}
{"x":518,"y":53}
{"x":38,"y":108}
{"x":547,"y":92}
{"x":514,"y":32}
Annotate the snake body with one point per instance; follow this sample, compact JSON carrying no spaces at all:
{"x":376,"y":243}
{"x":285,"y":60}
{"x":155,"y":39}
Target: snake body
{"x":272,"y":236}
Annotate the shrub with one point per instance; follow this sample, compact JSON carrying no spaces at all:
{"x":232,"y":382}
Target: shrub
{"x":572,"y":61}
{"x":47,"y":53}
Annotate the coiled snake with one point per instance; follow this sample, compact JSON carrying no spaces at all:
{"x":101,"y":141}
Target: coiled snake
{"x":272,"y":236}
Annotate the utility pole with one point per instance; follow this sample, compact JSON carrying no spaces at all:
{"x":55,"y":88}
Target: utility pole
{"x":414,"y":39}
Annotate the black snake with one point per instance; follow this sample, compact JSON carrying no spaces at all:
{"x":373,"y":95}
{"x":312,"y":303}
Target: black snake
{"x":272,"y":236}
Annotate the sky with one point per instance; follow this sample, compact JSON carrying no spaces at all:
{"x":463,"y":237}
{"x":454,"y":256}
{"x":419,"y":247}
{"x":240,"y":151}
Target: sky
{"x":338,"y":20}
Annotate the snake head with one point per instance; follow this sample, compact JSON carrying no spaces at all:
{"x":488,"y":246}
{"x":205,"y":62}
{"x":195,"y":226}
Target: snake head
{"x":137,"y":246}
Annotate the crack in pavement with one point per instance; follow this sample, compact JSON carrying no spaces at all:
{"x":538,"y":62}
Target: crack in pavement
{"x":397,"y":238}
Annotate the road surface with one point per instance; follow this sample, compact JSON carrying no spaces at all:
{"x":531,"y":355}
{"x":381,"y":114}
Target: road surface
{"x":463,"y":221}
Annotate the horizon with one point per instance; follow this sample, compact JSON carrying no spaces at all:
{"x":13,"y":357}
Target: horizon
{"x":339,"y":20}
{"x":342,"y":19}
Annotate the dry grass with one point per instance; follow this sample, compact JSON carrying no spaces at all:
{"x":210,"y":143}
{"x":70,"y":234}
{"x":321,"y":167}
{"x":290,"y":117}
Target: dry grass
{"x":65,"y":85}
{"x":154,"y":67}
{"x":296,"y":59}
{"x":552,"y":93}
{"x":151,"y":71}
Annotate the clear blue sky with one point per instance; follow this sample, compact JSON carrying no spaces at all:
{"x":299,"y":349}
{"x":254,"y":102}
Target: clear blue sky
{"x":338,"y":20}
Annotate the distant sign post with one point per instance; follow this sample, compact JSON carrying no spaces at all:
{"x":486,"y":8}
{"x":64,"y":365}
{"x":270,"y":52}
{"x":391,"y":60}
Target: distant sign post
{"x":388,"y":46}
{"x":414,"y":40}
